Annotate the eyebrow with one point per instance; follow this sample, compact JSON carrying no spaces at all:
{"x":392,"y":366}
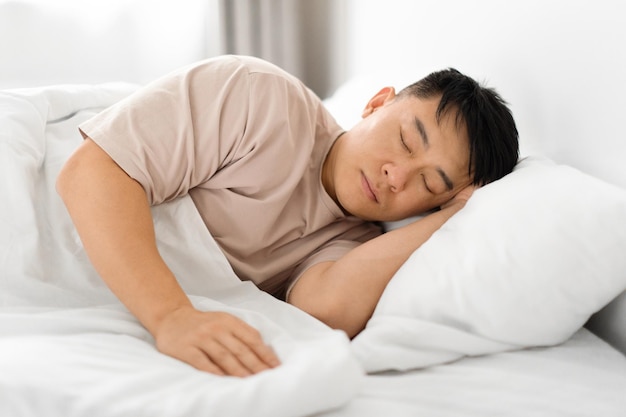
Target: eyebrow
{"x":422,"y":131}
{"x":446,"y":179}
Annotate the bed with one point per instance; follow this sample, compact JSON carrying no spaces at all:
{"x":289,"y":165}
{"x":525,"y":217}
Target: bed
{"x":486,"y":319}
{"x":516,"y":307}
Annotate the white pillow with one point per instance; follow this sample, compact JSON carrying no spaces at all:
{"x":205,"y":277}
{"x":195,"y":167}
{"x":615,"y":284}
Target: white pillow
{"x":525,"y":263}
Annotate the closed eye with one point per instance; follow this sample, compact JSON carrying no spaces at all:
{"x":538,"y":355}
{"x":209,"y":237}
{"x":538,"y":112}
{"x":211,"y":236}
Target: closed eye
{"x":426,"y":185}
{"x":404,"y":145}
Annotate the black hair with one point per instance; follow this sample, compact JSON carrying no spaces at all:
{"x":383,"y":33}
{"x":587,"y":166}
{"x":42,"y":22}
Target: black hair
{"x":493,"y":136}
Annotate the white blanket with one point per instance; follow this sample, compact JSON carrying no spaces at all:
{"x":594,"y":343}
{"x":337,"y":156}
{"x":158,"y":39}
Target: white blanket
{"x":69,"y":348}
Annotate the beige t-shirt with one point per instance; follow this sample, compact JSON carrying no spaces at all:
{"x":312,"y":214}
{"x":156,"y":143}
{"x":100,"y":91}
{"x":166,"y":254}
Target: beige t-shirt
{"x":246,"y":141}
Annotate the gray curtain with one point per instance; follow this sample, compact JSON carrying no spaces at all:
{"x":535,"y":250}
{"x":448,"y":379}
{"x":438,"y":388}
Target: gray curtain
{"x":305,"y":37}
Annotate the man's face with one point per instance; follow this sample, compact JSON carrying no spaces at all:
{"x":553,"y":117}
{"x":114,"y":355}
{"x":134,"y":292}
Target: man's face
{"x":398,"y":161}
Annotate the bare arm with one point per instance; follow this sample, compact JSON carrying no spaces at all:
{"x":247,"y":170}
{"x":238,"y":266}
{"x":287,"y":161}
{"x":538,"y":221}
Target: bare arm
{"x":113,"y":218}
{"x":344,"y":293}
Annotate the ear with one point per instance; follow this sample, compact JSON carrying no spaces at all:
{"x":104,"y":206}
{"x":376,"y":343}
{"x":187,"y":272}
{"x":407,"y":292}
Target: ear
{"x":385,"y":95}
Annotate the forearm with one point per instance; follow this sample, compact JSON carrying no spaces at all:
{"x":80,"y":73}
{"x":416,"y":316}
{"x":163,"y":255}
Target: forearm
{"x":344,"y":293}
{"x":113,"y":218}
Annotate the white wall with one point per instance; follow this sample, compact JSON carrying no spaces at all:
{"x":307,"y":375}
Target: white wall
{"x":559,"y":63}
{"x":46,"y":42}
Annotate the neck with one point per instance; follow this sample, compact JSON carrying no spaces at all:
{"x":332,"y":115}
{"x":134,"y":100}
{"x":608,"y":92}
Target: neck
{"x":328,"y":169}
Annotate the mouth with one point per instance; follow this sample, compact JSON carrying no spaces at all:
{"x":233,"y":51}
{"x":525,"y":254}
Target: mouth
{"x":367,"y":189}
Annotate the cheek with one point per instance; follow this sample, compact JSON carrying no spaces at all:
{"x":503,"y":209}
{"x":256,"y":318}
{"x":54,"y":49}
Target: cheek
{"x":418,"y":204}
{"x":346,"y":193}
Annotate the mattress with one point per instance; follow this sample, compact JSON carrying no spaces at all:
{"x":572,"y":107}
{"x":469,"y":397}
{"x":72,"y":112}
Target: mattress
{"x":581,"y":377}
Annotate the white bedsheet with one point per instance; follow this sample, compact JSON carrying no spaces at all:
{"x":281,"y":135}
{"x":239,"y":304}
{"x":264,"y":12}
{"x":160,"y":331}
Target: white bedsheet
{"x":68,"y":347}
{"x":583,"y":377}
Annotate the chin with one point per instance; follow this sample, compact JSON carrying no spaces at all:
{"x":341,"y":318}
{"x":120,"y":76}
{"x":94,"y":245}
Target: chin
{"x":370,"y":217}
{"x":360,"y":214}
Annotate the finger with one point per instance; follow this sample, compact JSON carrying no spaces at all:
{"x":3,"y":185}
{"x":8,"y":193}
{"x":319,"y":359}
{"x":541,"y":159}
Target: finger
{"x":253,"y":340}
{"x":222,"y":355}
{"x":245,"y":354}
{"x":199,"y":360}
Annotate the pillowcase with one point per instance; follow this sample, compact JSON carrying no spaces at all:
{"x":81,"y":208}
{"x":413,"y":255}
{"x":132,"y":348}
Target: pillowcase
{"x":527,"y":261}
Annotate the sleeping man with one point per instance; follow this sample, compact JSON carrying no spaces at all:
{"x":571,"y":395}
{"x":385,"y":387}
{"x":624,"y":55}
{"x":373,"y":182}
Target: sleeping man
{"x":289,"y":196}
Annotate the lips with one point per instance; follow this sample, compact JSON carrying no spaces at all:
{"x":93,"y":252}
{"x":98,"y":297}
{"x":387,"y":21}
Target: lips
{"x":367,"y":189}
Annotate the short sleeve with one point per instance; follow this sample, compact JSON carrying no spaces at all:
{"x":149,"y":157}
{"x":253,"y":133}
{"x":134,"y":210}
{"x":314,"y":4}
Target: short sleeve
{"x":332,"y":251}
{"x":176,"y":132}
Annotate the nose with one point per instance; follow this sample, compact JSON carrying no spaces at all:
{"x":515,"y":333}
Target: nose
{"x":396,"y":176}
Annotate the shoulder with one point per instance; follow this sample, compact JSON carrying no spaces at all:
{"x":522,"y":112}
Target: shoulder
{"x":255,"y":65}
{"x":229,"y":65}
{"x":259,"y":67}
{"x":258,"y":77}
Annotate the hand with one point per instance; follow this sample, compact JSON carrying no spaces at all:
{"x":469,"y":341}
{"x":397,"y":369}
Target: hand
{"x":214,"y":342}
{"x":461,"y":197}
